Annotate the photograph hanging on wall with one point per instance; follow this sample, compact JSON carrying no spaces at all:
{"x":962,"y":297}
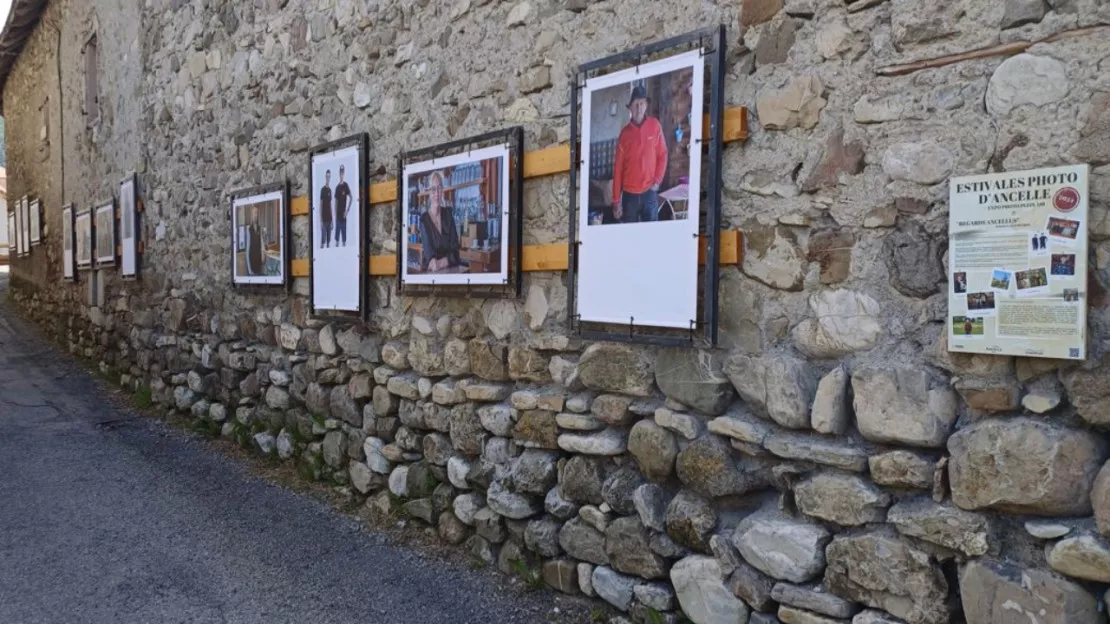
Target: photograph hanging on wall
{"x":455,"y":227}
{"x":34,"y":209}
{"x":639,"y":191}
{"x":12,"y":242}
{"x":105,"y":226}
{"x":83,"y":229}
{"x":68,"y":270}
{"x":129,"y":228}
{"x":258,"y":218}
{"x":24,"y":227}
{"x":17,"y":233}
{"x":337,"y":206}
{"x":25,"y":208}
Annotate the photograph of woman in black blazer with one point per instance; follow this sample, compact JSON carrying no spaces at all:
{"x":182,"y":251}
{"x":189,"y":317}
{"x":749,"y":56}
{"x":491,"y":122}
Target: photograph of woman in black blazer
{"x":438,"y":232}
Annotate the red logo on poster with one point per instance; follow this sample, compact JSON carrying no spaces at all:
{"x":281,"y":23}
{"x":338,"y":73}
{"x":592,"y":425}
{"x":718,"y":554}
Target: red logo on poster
{"x":1066,"y":199}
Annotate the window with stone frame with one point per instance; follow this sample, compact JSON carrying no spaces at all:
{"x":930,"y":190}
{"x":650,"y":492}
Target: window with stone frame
{"x":92,"y":81}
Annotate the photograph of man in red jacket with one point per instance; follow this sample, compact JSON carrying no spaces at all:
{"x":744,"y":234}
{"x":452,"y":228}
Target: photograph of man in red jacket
{"x":640,"y":164}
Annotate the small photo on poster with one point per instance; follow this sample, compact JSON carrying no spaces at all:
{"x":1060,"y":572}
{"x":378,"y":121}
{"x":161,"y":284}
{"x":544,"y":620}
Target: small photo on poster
{"x":1031,"y":282}
{"x":258,"y":238}
{"x":959,"y":282}
{"x":1039,"y":244}
{"x":967,"y":326}
{"x":1000,"y":280}
{"x":1063,"y":265}
{"x":981,"y":303}
{"x":1063,"y":230}
{"x":640,"y":146}
{"x":456,"y":224}
{"x":1071,"y":295}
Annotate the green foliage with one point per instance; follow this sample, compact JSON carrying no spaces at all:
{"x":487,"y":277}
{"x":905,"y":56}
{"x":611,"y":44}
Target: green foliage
{"x":205,"y":427}
{"x":598,"y":615}
{"x":143,"y":396}
{"x":532,"y":577}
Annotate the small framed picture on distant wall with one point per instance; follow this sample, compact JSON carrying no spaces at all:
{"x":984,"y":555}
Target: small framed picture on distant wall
{"x":260,"y":235}
{"x":83,"y":230}
{"x":106,"y":234}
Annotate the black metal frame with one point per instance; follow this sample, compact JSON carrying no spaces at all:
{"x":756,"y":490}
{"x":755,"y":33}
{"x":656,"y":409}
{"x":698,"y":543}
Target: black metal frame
{"x":362,"y":142}
{"x":134,"y":179}
{"x":34,"y":206}
{"x":703,"y":331}
{"x":97,"y":264}
{"x":72,"y":211}
{"x":514,"y":275}
{"x":286,"y":235}
{"x":92,"y":240}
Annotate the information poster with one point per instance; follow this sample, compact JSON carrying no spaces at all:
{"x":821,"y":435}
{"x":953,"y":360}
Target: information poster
{"x":1018,"y":263}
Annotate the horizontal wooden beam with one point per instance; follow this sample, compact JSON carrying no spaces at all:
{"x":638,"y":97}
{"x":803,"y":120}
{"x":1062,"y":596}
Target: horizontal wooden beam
{"x":536,"y":258}
{"x":544,"y":162}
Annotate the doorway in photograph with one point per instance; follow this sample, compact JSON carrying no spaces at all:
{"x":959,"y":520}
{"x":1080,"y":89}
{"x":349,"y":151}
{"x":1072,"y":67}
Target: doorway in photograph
{"x":258,"y":245}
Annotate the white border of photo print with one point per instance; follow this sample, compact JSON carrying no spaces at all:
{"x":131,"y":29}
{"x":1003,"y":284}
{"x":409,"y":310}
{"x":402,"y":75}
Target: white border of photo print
{"x":497,"y":151}
{"x":1064,"y":240}
{"x":242,"y":202}
{"x":642,"y":273}
{"x":1031,"y":291}
{"x":106,"y":257}
{"x":336,"y":272}
{"x":129,"y":228}
{"x":993,"y":311}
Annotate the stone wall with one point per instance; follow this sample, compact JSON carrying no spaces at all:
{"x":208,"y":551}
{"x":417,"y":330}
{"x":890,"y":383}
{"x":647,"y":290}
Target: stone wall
{"x":830,"y":463}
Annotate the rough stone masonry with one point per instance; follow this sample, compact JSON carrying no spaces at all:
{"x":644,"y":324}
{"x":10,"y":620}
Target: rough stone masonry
{"x":831,"y":462}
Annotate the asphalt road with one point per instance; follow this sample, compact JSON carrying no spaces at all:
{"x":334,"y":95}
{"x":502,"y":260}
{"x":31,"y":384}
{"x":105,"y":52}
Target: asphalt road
{"x":109,"y":517}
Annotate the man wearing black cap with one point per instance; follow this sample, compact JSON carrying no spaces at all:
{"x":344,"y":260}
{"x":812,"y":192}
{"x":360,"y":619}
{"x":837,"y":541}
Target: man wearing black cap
{"x":641,"y":163}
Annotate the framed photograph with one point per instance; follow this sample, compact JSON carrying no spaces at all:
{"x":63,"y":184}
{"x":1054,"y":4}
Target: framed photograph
{"x":260,"y":236}
{"x":459,"y":213}
{"x":17,"y":233}
{"x":339,"y":250}
{"x":130,"y":227}
{"x":34,"y":211}
{"x":644,"y":186}
{"x":12,"y":235}
{"x":105,"y":228}
{"x":69,"y":272}
{"x":84,"y":239}
{"x":24,"y":226}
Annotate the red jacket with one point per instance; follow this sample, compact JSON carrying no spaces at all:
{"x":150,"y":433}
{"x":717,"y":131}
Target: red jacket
{"x":641,"y":159}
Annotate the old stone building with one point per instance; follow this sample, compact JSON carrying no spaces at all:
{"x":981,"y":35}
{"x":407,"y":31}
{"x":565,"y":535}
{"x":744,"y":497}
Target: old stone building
{"x":830,"y":462}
